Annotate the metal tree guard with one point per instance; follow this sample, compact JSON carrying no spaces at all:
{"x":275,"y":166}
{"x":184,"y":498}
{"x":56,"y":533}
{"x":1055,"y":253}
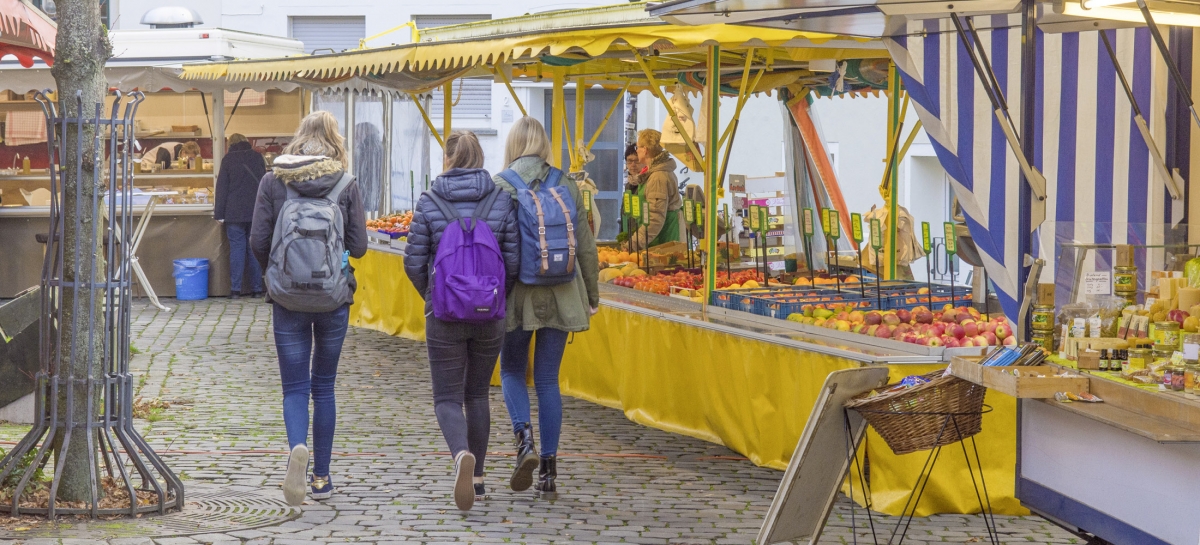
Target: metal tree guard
{"x":109,"y":432}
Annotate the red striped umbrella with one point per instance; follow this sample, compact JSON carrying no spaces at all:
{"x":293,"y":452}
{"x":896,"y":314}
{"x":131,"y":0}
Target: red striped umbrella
{"x":26,"y":32}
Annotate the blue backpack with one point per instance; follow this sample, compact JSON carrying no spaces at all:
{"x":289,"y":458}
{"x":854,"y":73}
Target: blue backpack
{"x":468,"y":268}
{"x":546,"y":218}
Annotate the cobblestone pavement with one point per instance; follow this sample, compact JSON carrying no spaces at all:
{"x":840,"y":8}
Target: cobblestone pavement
{"x":619,"y":482}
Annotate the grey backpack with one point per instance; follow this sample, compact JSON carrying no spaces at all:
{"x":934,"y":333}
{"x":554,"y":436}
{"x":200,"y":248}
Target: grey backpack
{"x":305,"y":270}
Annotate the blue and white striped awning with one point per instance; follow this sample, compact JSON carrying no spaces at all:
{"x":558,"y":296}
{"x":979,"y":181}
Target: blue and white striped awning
{"x":1101,"y":183}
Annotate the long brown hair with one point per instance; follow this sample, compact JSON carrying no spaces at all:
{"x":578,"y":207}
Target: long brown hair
{"x":318,"y":134}
{"x":463,"y":150}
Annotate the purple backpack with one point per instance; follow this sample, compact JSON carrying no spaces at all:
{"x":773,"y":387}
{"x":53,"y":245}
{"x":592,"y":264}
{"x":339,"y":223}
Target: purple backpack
{"x":468,"y":268}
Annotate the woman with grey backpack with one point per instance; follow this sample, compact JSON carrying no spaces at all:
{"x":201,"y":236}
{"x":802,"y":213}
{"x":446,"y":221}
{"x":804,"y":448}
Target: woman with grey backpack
{"x":462,"y":257}
{"x":308,"y":222}
{"x":555,"y":296}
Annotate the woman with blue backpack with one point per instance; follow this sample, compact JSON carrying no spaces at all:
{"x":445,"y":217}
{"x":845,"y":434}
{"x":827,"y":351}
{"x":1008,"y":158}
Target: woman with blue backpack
{"x":463,"y":257}
{"x":556,"y":294}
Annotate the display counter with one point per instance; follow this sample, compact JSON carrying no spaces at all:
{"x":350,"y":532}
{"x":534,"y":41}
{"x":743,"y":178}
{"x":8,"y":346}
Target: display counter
{"x":1126,"y":470}
{"x":174,"y":232}
{"x":731,"y":378}
{"x":193,"y":186}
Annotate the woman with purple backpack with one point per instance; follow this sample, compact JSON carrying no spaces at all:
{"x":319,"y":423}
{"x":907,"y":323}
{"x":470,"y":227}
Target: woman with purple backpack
{"x":463,"y":256}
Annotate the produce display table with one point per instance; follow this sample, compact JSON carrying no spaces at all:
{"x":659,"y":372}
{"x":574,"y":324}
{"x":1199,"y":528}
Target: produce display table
{"x":731,"y":378}
{"x":1126,"y":470}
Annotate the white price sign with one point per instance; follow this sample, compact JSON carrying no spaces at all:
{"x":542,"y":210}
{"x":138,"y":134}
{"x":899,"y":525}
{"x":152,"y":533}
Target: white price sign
{"x":1097,"y":283}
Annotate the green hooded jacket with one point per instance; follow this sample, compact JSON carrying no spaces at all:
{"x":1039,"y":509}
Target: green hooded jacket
{"x":564,"y":306}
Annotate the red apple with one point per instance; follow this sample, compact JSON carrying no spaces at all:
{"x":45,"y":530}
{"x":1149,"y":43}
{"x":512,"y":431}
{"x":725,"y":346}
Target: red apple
{"x":933,"y":341}
{"x":906,"y":316}
{"x":991,"y":338}
{"x":873,"y":318}
{"x":1003,"y":331}
{"x":1009,"y":341}
{"x":980,"y":340}
{"x":1177,"y":315}
{"x":904,"y":327}
{"x":951,"y":342}
{"x":891,"y":319}
{"x":966,"y":342}
{"x":883,"y":332}
{"x":923,"y":317}
{"x":971,"y":327}
{"x":938,"y":329}
{"x":957,"y":331}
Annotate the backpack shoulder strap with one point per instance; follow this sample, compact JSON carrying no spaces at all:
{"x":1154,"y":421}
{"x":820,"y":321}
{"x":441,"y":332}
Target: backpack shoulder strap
{"x":336,"y":192}
{"x":552,"y":178}
{"x":513,"y":178}
{"x":446,"y":208}
{"x":485,"y":205}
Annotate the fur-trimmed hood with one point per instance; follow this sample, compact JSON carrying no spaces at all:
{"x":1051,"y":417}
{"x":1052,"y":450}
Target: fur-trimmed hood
{"x":309,"y":175}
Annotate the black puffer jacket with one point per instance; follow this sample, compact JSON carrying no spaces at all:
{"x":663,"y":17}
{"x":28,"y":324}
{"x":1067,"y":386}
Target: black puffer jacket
{"x":237,"y":184}
{"x":462,"y":188}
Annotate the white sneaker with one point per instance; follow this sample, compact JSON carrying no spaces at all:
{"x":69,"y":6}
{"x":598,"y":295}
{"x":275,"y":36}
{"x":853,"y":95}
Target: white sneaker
{"x":295,"y":482}
{"x":464,"y":486}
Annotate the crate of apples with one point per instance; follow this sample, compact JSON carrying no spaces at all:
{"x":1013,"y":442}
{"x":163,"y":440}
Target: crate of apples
{"x":949,"y":327}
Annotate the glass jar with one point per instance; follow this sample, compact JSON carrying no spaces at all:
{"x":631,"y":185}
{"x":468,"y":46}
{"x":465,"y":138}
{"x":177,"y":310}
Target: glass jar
{"x":1178,"y":378}
{"x":1138,"y":358}
{"x":1190,"y":377}
{"x":1191,"y":346}
{"x":1166,"y":333}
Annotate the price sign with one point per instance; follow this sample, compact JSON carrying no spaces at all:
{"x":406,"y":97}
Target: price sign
{"x":754,"y":218}
{"x":876,"y":235}
{"x":951,"y":241}
{"x":835,"y":226}
{"x":635,"y":207}
{"x":645,"y":211}
{"x":808,"y":222}
{"x":856,"y":227}
{"x":689,"y":211}
{"x":1097,"y":283}
{"x":925,"y":239}
{"x":762,"y":220}
{"x":587,"y":200}
{"x":627,"y":203}
{"x":825,"y":221}
{"x":725,"y":213}
{"x":698,"y":213}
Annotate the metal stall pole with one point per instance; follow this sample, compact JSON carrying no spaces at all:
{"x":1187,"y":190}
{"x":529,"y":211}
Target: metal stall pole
{"x":711,"y":171}
{"x":385,"y":202}
{"x":218,"y":130}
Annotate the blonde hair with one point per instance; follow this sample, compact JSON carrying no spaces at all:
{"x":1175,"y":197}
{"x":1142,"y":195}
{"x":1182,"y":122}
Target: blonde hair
{"x":318,"y":135}
{"x":651,"y":140}
{"x":527,"y":137}
{"x":237,"y":138}
{"x":191,"y":148}
{"x":463,"y":150}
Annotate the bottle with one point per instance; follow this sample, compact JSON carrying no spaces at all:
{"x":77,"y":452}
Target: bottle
{"x":25,"y":166}
{"x":1104,"y":359}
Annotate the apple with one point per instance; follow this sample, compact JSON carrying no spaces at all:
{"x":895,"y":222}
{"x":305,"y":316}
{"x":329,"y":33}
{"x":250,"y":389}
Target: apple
{"x":933,"y":341}
{"x":980,"y":340}
{"x":990,"y":327}
{"x":904,"y":327}
{"x":939,"y":329}
{"x":974,"y":313}
{"x":950,"y":316}
{"x":891,"y":319}
{"x":971,"y":327}
{"x":956,"y":330}
{"x":819,"y":322}
{"x":966,"y":342}
{"x":871,"y":329}
{"x":1009,"y":341}
{"x":951,"y":342}
{"x":991,"y":338}
{"x":904,"y":315}
{"x":1178,"y":316}
{"x":842,"y":325}
{"x":898,"y":335}
{"x":923,"y":316}
{"x":883,"y":332}
{"x":873,"y":318}
{"x":857,"y":316}
{"x":1003,"y":331}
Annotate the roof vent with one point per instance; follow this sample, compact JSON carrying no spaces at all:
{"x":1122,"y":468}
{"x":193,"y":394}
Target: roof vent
{"x":172,"y":17}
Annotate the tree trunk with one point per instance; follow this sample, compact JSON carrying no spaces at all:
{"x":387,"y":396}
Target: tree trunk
{"x":81,"y":50}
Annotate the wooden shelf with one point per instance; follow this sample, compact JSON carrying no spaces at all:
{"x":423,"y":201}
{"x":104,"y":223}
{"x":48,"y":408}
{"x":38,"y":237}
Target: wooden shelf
{"x":1165,"y":417}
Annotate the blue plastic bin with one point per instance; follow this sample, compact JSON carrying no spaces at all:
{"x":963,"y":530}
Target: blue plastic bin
{"x":191,"y":279}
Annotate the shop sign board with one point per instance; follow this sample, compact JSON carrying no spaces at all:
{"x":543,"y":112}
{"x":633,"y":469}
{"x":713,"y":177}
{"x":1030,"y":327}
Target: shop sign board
{"x":835,"y":224}
{"x":808,"y":222}
{"x":1097,"y":283}
{"x":926,"y":242}
{"x":951,"y":240}
{"x":856,"y":227}
{"x":876,"y":234}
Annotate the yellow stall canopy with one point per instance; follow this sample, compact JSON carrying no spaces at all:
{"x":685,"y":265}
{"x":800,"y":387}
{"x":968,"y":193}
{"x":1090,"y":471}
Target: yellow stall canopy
{"x":595,"y":43}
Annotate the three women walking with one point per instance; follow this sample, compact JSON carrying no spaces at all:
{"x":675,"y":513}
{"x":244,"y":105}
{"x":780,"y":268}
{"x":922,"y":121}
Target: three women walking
{"x":502,"y":263}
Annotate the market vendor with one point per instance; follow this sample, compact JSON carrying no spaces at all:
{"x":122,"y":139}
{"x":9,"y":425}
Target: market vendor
{"x":660,"y":189}
{"x":634,"y":173}
{"x":166,"y":153}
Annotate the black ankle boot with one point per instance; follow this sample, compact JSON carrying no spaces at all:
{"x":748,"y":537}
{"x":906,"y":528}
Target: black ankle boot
{"x":527,"y":459}
{"x":547,"y":473}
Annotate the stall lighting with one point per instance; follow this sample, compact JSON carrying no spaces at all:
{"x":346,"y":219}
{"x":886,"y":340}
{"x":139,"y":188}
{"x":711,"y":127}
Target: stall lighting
{"x":1130,"y":14}
{"x":1093,"y":4}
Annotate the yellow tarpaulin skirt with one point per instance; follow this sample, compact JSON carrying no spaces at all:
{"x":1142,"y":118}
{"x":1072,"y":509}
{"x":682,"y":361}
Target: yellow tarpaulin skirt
{"x":751,"y":396}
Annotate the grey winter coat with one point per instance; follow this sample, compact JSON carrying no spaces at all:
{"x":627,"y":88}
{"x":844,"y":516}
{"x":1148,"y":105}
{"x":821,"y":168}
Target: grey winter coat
{"x":311,"y":177}
{"x":463,"y":188}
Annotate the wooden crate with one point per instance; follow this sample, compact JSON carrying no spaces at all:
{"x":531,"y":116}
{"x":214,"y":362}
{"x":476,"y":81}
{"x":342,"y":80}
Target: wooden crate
{"x":1001,"y":380}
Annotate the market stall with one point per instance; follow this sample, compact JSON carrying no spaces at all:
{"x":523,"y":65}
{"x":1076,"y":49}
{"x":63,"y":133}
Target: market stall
{"x":1100,"y":160}
{"x":733,"y":367}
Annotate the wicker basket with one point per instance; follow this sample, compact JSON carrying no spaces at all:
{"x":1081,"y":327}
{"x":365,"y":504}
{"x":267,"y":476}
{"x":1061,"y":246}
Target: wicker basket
{"x":909,"y":420}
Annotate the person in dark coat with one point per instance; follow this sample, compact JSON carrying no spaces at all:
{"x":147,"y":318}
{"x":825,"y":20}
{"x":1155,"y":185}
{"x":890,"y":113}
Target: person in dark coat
{"x":237,"y":185}
{"x":462,"y":355}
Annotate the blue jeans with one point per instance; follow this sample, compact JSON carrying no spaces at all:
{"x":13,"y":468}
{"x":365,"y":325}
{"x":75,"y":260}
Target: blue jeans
{"x":240,"y":258}
{"x":306,"y":367}
{"x":547,"y":357}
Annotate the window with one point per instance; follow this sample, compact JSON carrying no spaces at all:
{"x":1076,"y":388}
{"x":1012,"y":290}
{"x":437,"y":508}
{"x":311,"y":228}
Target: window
{"x":473,"y":95}
{"x":323,"y":34}
{"x":607,"y":169}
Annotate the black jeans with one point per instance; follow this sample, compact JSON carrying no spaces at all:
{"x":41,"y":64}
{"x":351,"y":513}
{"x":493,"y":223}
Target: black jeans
{"x":461,"y":360}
